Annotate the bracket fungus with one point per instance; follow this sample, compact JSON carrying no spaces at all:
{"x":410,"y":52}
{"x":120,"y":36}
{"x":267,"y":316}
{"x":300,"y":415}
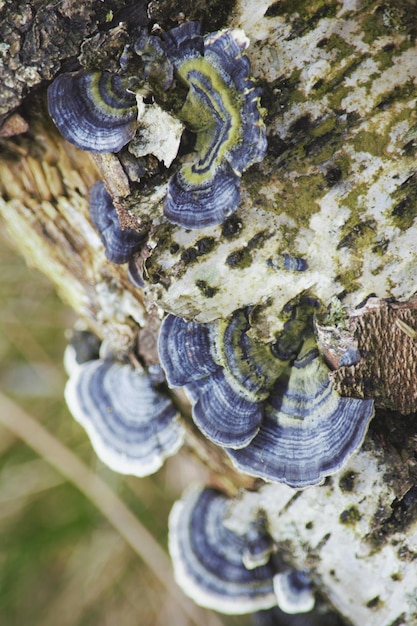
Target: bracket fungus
{"x":98,"y":112}
{"x":294,"y":592}
{"x":308,"y":431}
{"x":132,"y":424}
{"x":208,"y":557}
{"x":120,"y":244}
{"x":272,"y":406}
{"x":93,"y":110}
{"x":214,"y":363}
{"x":222,"y":108}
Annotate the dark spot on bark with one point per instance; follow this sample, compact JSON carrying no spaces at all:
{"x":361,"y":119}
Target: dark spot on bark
{"x":301,"y":125}
{"x":350,"y":516}
{"x":333,"y":175}
{"x":347,"y":481}
{"x":204,"y":245}
{"x":276,"y":146}
{"x":239,"y":259}
{"x":323,"y":42}
{"x":207,"y":291}
{"x":189,"y":255}
{"x":318,"y":84}
{"x":231,"y":227}
{"x":374,"y":603}
{"x":257,"y":240}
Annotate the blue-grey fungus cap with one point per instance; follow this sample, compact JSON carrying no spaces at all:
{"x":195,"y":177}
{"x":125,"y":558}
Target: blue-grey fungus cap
{"x":185,"y":350}
{"x":294,"y":592}
{"x":184,"y":42}
{"x":157,"y":68}
{"x":227,"y":375}
{"x":222,"y":108}
{"x":93,"y":110}
{"x":208,"y":557}
{"x":132,"y":424}
{"x":119,"y":244}
{"x":224,"y":415}
{"x":259,"y":544}
{"x":308,"y":430}
{"x":288,"y":262}
{"x":273,"y":407}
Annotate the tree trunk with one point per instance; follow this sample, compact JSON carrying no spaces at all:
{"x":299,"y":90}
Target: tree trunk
{"x":337,"y":189}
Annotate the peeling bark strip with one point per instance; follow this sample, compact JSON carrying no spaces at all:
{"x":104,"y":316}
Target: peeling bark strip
{"x":389,"y":375}
{"x":330,"y":211}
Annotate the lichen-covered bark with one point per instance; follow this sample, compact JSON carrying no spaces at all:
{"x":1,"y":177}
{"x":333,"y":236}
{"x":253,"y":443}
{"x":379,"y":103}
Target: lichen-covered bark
{"x":357,"y":535}
{"x":337,"y":190}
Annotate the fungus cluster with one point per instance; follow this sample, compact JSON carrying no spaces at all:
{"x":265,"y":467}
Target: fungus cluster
{"x":269,"y":404}
{"x":226,"y":571}
{"x":272,"y":407}
{"x":131,"y":422}
{"x":100,"y":112}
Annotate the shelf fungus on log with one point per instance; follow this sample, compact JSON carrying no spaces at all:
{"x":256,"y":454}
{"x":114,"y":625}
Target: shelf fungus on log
{"x":132,"y":424}
{"x":227,"y":375}
{"x":93,"y":110}
{"x":222,"y":108}
{"x":120,"y":244}
{"x":99,"y":111}
{"x":294,"y":591}
{"x":272,"y":406}
{"x":208,"y":557}
{"x":308,"y":430}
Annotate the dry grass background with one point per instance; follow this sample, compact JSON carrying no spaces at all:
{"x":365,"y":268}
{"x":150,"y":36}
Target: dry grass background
{"x":64,"y":558}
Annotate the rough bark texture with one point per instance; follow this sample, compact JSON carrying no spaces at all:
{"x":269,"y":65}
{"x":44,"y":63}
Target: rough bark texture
{"x":339,"y":82}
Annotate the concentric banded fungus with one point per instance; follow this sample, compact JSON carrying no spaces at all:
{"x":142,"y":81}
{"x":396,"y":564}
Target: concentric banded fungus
{"x":294,"y":592}
{"x":119,"y":244}
{"x":207,"y":557}
{"x":222,"y":108}
{"x":133,"y":426}
{"x":227,"y":374}
{"x":259,"y":545}
{"x":275,"y":403}
{"x":93,"y":110}
{"x":157,"y":68}
{"x":308,"y":430}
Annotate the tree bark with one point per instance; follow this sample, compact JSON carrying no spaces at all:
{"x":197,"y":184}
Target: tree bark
{"x":338,"y":188}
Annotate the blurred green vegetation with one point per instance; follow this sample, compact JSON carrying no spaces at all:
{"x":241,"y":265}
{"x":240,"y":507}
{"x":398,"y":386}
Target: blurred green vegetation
{"x":61,"y":561}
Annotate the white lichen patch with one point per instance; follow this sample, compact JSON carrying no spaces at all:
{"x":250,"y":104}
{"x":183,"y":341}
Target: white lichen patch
{"x":249,"y":16}
{"x":221,"y":271}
